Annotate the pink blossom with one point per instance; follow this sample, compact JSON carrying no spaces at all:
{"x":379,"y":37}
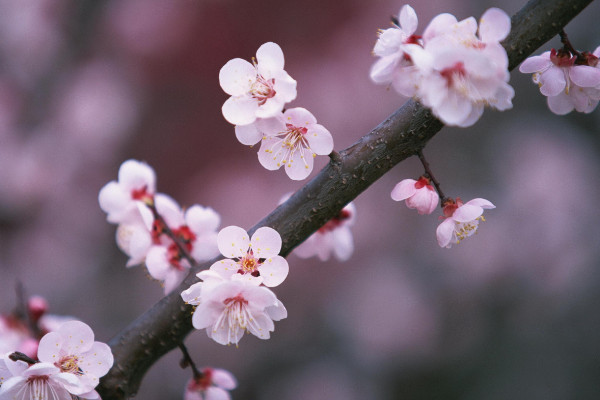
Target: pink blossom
{"x":196,"y":230}
{"x":395,"y":64}
{"x":214,"y":384}
{"x":456,"y":69}
{"x":460,"y":220}
{"x":119,"y":199}
{"x":20,"y":381}
{"x":229,"y":306}
{"x":333,"y":237}
{"x":256,"y":258}
{"x":418,"y":194}
{"x":570,"y":82}
{"x":258,"y":90}
{"x":79,"y":359}
{"x":291,"y":139}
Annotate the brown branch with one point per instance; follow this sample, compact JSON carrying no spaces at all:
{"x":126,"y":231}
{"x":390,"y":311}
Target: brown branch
{"x":400,"y":136}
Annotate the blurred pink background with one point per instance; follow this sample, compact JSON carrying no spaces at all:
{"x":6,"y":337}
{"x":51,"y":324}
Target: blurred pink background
{"x":509,"y":314}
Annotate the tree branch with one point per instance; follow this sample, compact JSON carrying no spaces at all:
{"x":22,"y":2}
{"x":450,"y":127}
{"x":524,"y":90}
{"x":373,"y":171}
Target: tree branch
{"x":400,"y":136}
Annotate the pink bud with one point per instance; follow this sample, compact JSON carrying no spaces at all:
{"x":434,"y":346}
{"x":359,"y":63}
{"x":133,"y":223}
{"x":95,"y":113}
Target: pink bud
{"x":37,"y":306}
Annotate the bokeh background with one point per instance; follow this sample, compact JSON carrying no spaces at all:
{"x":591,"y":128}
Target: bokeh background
{"x":511,"y":313}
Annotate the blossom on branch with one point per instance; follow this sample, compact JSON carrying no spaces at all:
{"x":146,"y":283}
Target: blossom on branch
{"x":78,"y":357}
{"x":44,"y":381}
{"x":418,"y":194}
{"x":461,"y":220}
{"x":120,"y":199}
{"x":196,"y":232}
{"x":258,"y":90}
{"x":456,"y":69}
{"x":256,"y":259}
{"x":333,"y":237}
{"x":568,"y":81}
{"x":395,"y":65}
{"x":71,"y":363}
{"x":229,"y":305}
{"x":213,"y":384}
{"x":290,"y":140}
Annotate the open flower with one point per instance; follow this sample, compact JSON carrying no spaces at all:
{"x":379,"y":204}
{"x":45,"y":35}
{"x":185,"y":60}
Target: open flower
{"x":43,"y":381}
{"x":79,"y":359}
{"x":333,"y":237}
{"x":256,"y":259}
{"x":460,"y":220}
{"x":214,"y":384}
{"x":229,"y":306}
{"x":395,"y":64}
{"x":418,"y":194}
{"x":569,"y":82}
{"x":456,"y":68}
{"x":258,"y":90}
{"x":119,"y":199}
{"x":290,"y":140}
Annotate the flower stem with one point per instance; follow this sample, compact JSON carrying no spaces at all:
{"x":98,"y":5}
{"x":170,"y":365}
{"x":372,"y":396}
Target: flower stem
{"x":167,"y":230}
{"x":564,"y":39}
{"x":187,"y":360}
{"x":429,"y":175}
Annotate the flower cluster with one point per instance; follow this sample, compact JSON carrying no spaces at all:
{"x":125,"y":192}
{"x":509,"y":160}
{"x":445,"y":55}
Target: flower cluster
{"x":259,"y":91}
{"x":70,"y":364}
{"x":22,"y":330}
{"x":461,"y":220}
{"x":152,"y":227}
{"x":455,"y":68}
{"x":569,"y":81}
{"x":231,"y":298}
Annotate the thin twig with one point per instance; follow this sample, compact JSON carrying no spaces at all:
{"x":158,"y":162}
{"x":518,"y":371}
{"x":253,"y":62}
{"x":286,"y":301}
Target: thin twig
{"x":187,"y":360}
{"x":431,"y":176}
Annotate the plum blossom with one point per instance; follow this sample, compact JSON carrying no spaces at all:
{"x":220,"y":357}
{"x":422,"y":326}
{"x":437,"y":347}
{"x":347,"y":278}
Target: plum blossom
{"x":291,"y":140}
{"x":196,"y":231}
{"x":395,"y":65}
{"x":80,"y":360}
{"x":418,"y":194}
{"x":229,"y":305}
{"x":213,"y":384}
{"x":455,"y":69}
{"x":43,"y":381}
{"x":333,"y":237}
{"x":460,"y":220}
{"x":120,"y":199}
{"x":465,"y":68}
{"x":256,"y":258}
{"x":568,"y":81}
{"x":258,"y":90}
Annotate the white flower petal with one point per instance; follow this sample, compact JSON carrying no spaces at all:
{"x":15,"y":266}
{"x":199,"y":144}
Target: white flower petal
{"x":270,"y":60}
{"x":265,"y":242}
{"x":404,"y":189}
{"x":560,"y":104}
{"x":319,"y":139}
{"x":300,"y":164}
{"x":237,"y":76}
{"x":444,"y":232}
{"x":494,"y":25}
{"x":248,"y":134}
{"x":274,"y":271}
{"x":233,"y":242}
{"x":408,"y":20}
{"x":240,"y":110}
{"x":553,"y":81}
